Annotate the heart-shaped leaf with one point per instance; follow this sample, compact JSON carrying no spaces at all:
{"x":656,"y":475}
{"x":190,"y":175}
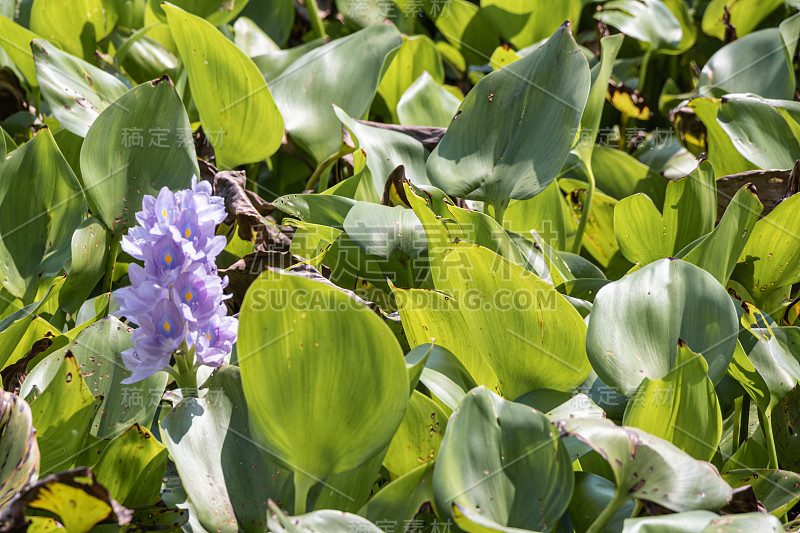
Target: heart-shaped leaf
{"x":514,"y":129}
{"x":135,"y":147}
{"x":236,"y":108}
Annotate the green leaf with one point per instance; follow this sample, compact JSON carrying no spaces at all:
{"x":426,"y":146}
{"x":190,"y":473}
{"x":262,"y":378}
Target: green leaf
{"x":135,"y":147}
{"x":16,"y":42}
{"x":19,"y":451}
{"x":216,"y":12}
{"x":776,"y":489}
{"x":389,"y":232}
{"x":415,"y":56}
{"x":306,"y":90}
{"x":753,"y":63}
{"x":664,"y":26}
{"x":640,"y":230}
{"x":324,"y":209}
{"x":514,"y":129}
{"x":758,"y":131}
{"x":418,"y":438}
{"x":76,"y":26}
{"x":719,"y":252}
{"x":493,"y":453}
{"x":145,"y":59}
{"x":599,"y":238}
{"x":619,"y":175}
{"x":444,"y":375}
{"x":386,"y":150}
{"x":688,"y":522}
{"x":681,"y":408}
{"x":76,"y":91}
{"x":722,"y":155}
{"x":228,"y":477}
{"x":274,"y":63}
{"x":745,"y":16}
{"x":636,"y":323}
{"x":651,"y":469}
{"x":89,"y":252}
{"x":486,"y":303}
{"x":36,"y":229}
{"x":770,"y":261}
{"x":547,"y":213}
{"x":325,"y":521}
{"x":592,"y":494}
{"x":401,"y":500}
{"x":426,"y":103}
{"x":132,"y":467}
{"x":299,"y":397}
{"x":98,"y":350}
{"x":526,"y":23}
{"x":236,"y":107}
{"x":62,"y":416}
{"x":466,"y":28}
{"x":690,"y":207}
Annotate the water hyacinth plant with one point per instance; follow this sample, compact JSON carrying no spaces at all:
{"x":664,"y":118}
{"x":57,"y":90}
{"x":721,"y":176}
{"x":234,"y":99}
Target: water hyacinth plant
{"x":400,"y":266}
{"x":177,"y":297}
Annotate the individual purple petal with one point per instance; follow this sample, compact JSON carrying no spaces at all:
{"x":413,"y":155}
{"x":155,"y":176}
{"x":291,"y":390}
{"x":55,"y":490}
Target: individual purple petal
{"x":216,"y":341}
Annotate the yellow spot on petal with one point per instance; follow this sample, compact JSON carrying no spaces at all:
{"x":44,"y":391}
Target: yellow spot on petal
{"x":166,"y":326}
{"x":188,"y":296}
{"x":168,"y":259}
{"x":164,"y":213}
{"x":208,"y":336}
{"x":188,"y":232}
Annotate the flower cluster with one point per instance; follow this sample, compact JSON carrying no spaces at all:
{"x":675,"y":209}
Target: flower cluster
{"x":177,"y":297}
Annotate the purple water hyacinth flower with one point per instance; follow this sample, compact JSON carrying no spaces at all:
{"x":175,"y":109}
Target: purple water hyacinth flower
{"x":177,"y":298}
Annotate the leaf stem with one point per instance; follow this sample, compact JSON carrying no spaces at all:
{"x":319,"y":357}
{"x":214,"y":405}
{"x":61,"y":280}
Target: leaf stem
{"x":737,"y":415}
{"x":186,"y":372}
{"x":744,"y":420}
{"x":766,"y":426}
{"x":325,"y":165}
{"x":496,"y":211}
{"x":316,"y":21}
{"x":587,"y":206}
{"x":111,"y":261}
{"x":613,"y":506}
{"x":123,"y":50}
{"x":302,"y":484}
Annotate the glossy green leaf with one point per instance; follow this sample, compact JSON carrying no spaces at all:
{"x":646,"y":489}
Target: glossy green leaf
{"x":648,"y":468}
{"x":525,"y":23}
{"x":426,"y":103}
{"x":86,"y":268}
{"x":386,"y":150}
{"x":547,"y":213}
{"x":76,"y":26}
{"x":688,"y":522}
{"x":325,"y":521}
{"x":16,"y":42}
{"x":236,"y":108}
{"x":135,"y":147}
{"x":416,"y":55}
{"x":486,"y":302}
{"x":305,"y":91}
{"x":132,"y":467}
{"x":758,"y":131}
{"x":497,"y":148}
{"x":216,"y":12}
{"x":681,"y":408}
{"x":37,"y":228}
{"x":722,"y":154}
{"x":751,"y":64}
{"x":768,"y":265}
{"x":62,"y":416}
{"x":640,"y":230}
{"x":228,"y":477}
{"x":493,"y":459}
{"x":388,"y":232}
{"x":663,"y":25}
{"x":273,"y":64}
{"x":76,"y":91}
{"x":19,"y":451}
{"x":636,"y":323}
{"x":719,"y":252}
{"x":418,"y":438}
{"x":327,"y":210}
{"x":690,"y":207}
{"x":301,"y":349}
{"x":592,"y":494}
{"x":465,"y":27}
{"x":443,"y":375}
{"x":98,"y":350}
{"x":146,"y":59}
{"x":401,"y":500}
